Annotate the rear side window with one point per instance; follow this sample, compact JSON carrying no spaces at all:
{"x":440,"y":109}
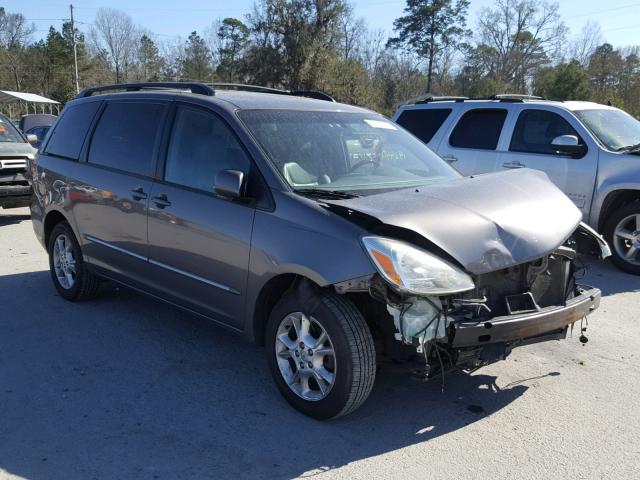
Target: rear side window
{"x":536,"y":129}
{"x":201,"y":146}
{"x":71,"y":129}
{"x":423,"y":123}
{"x":479,"y":129}
{"x":125,"y":137}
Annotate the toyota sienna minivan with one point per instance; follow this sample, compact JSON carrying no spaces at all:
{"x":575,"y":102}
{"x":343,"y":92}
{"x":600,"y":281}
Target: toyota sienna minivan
{"x":320,"y":230}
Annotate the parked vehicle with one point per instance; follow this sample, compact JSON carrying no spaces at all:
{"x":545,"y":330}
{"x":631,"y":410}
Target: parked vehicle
{"x":37,"y":124}
{"x":15,"y":152}
{"x":320,"y":230}
{"x":590,"y":151}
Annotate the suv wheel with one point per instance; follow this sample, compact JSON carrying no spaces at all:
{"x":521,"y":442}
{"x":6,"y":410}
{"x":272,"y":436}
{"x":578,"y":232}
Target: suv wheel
{"x":323,"y":361}
{"x":622,"y":231}
{"x":68,"y":271}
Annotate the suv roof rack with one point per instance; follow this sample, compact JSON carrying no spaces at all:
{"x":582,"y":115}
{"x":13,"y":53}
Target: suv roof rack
{"x":256,"y":88}
{"x":514,"y":97}
{"x":198,"y":88}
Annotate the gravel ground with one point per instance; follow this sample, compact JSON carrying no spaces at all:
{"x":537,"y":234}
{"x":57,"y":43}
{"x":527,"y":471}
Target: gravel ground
{"x":125,"y":387}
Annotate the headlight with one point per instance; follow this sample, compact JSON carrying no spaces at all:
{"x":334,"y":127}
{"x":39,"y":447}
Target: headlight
{"x":413,"y":270}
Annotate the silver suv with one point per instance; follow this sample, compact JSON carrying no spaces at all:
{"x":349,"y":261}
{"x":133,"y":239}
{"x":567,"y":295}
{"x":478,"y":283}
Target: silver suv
{"x":321,"y":230}
{"x":590,"y":151}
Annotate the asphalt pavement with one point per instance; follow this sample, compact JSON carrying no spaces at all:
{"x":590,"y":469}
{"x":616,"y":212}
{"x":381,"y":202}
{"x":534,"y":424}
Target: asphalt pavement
{"x":126,"y":387}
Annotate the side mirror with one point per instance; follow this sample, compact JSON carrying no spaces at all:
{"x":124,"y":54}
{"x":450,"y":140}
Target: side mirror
{"x":230,"y":183}
{"x":32,"y":139}
{"x":568,"y":145}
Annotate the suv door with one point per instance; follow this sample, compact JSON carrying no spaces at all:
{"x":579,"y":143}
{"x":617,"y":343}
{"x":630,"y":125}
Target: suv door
{"x":472,"y":143}
{"x":199,"y":242}
{"x":530,"y":146}
{"x":109,"y":193}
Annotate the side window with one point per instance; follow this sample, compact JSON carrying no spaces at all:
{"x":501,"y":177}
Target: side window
{"x":70,"y":129}
{"x":201,"y":145}
{"x":536,"y":129}
{"x":125,"y":137}
{"x":479,"y":129}
{"x":423,"y":123}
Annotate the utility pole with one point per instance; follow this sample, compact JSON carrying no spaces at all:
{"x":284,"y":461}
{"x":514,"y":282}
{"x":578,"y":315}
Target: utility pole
{"x":75,"y":53}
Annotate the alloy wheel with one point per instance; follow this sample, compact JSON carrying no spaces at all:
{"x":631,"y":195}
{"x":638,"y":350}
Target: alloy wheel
{"x":64,"y":262}
{"x":305,"y":356}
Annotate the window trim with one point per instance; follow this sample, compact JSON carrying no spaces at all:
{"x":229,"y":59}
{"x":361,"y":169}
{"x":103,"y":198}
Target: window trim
{"x":520,"y":112}
{"x":263,"y":204}
{"x":84,"y":154}
{"x":44,"y":148}
{"x":476,"y":109}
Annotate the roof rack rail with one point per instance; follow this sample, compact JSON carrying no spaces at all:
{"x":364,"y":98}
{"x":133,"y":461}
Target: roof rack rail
{"x":199,"y":88}
{"x":443,"y":98}
{"x":514,"y":97}
{"x":259,"y":89}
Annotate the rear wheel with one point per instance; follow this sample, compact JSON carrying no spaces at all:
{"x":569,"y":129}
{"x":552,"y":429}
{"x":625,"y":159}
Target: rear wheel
{"x":68,"y":271}
{"x":322,"y":360}
{"x":622,"y":231}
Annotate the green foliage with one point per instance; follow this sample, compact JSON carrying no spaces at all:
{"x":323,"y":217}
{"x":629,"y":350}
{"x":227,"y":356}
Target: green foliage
{"x":567,"y":81}
{"x":233,"y":36}
{"x":196,"y":64}
{"x":430,"y":27}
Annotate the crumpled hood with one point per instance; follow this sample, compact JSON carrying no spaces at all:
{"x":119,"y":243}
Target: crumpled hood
{"x":488,"y":222}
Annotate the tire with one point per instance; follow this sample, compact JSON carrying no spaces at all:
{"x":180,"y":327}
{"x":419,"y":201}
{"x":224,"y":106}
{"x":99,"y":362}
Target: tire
{"x":83,"y":284}
{"x":353,"y":363}
{"x":623,"y":217}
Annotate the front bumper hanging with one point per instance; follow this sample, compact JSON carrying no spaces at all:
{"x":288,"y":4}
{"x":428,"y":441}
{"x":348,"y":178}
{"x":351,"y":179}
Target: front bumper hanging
{"x":526,"y":327}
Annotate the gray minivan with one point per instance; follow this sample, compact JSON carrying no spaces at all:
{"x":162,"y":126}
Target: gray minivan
{"x":320,"y":230}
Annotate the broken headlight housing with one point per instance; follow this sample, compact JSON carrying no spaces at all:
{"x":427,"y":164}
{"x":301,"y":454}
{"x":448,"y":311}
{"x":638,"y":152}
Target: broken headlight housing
{"x":412,"y":270}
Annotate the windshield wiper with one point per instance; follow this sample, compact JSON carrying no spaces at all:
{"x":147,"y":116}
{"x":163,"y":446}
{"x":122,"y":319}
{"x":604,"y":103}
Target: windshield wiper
{"x":322,"y":193}
{"x":629,"y":148}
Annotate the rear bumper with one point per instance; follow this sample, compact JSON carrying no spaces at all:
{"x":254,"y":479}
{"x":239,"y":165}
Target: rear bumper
{"x":545,"y":324}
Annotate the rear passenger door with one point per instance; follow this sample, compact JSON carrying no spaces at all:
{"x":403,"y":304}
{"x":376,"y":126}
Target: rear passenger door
{"x":199,"y":242}
{"x":472,"y":143}
{"x":110,"y":191}
{"x":530,"y":146}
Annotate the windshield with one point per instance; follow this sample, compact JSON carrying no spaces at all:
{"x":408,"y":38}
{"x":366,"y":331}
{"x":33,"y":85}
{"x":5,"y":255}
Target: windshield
{"x":9,"y":133}
{"x":616,"y":129}
{"x":357,"y":153}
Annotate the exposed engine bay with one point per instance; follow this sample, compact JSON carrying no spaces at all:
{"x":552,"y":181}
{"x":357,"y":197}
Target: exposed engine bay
{"x":527,"y":303}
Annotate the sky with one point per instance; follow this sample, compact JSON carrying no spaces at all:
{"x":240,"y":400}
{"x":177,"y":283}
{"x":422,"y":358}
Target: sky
{"x":619,"y":19}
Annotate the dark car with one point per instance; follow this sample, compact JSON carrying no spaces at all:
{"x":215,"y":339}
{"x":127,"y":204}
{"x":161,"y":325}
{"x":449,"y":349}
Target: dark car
{"x":15,"y":153}
{"x":320,"y":230}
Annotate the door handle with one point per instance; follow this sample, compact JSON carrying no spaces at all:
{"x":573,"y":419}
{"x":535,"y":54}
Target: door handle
{"x":161,"y":200}
{"x":449,"y":158}
{"x":138,"y":193}
{"x":515,"y":164}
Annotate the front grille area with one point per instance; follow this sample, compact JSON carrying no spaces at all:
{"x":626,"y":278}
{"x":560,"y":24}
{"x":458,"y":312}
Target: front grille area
{"x":13,"y":164}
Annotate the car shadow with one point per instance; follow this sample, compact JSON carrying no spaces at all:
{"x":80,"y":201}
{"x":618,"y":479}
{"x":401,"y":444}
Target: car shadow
{"x":126,"y":387}
{"x":608,"y":278}
{"x":12,"y":218}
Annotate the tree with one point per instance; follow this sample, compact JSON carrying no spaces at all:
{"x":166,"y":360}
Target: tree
{"x":149,"y":61}
{"x":14,"y":34}
{"x":567,"y":81}
{"x":196,"y":64}
{"x":114,"y":34}
{"x":586,"y":43}
{"x":518,"y":38}
{"x":429,"y":28}
{"x":233,"y":37}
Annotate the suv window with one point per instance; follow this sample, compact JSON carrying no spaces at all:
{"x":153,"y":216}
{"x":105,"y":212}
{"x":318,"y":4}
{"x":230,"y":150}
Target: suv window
{"x":479,"y":128}
{"x":536,"y":129}
{"x":423,"y":123}
{"x":70,"y":130}
{"x":201,"y":146}
{"x":125,"y":136}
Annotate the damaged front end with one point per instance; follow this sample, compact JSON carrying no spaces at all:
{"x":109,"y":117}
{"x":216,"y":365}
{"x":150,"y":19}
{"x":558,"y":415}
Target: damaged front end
{"x":459,"y":320}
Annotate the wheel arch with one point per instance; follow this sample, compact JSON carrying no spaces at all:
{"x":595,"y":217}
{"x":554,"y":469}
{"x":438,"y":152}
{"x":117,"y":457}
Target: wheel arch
{"x":52,"y":218}
{"x":614,"y":200}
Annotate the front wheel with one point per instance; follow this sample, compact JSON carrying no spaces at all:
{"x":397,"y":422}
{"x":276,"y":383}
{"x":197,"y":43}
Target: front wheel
{"x":323,"y":360}
{"x":622,"y":231}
